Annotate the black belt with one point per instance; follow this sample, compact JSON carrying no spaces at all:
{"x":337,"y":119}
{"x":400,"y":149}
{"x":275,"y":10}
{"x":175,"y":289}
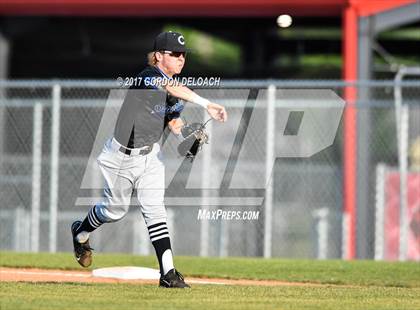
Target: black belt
{"x":143,"y":151}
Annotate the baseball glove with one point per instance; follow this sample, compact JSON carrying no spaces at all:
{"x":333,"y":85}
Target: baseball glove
{"x":194,"y":137}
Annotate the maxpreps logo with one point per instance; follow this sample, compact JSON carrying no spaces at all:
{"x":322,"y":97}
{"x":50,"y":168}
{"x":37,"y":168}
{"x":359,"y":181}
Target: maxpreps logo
{"x":289,"y":123}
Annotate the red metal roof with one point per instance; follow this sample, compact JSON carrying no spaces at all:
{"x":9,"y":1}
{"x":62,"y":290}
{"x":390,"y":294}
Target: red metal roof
{"x":369,"y":7}
{"x":193,"y":8}
{"x":172,"y":7}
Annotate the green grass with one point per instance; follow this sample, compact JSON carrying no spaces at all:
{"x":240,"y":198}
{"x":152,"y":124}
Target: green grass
{"x":366,"y":285}
{"x":126,"y":296}
{"x":328,"y":272}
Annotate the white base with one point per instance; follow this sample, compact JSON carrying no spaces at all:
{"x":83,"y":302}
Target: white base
{"x":127,"y":273}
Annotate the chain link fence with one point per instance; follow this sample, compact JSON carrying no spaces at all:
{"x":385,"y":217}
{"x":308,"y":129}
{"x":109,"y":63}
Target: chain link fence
{"x":47,"y":130}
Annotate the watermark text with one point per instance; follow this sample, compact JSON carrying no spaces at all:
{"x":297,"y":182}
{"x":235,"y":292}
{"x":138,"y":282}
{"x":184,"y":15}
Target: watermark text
{"x":219,"y":214}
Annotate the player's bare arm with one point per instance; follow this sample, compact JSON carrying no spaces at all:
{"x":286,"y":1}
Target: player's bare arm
{"x":216,"y":111}
{"x":172,"y":64}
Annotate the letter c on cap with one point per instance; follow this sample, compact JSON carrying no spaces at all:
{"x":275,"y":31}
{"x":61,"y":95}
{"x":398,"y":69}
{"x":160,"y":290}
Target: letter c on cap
{"x":181,"y":40}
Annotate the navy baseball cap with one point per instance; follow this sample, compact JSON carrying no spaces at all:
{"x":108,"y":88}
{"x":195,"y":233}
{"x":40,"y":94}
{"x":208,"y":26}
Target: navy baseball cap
{"x":170,"y":41}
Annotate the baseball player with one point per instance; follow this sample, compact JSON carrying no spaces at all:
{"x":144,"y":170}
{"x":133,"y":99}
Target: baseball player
{"x":131,"y":159}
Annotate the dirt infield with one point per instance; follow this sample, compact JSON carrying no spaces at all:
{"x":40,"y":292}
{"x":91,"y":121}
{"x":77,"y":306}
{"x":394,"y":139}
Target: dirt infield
{"x":53,"y":275}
